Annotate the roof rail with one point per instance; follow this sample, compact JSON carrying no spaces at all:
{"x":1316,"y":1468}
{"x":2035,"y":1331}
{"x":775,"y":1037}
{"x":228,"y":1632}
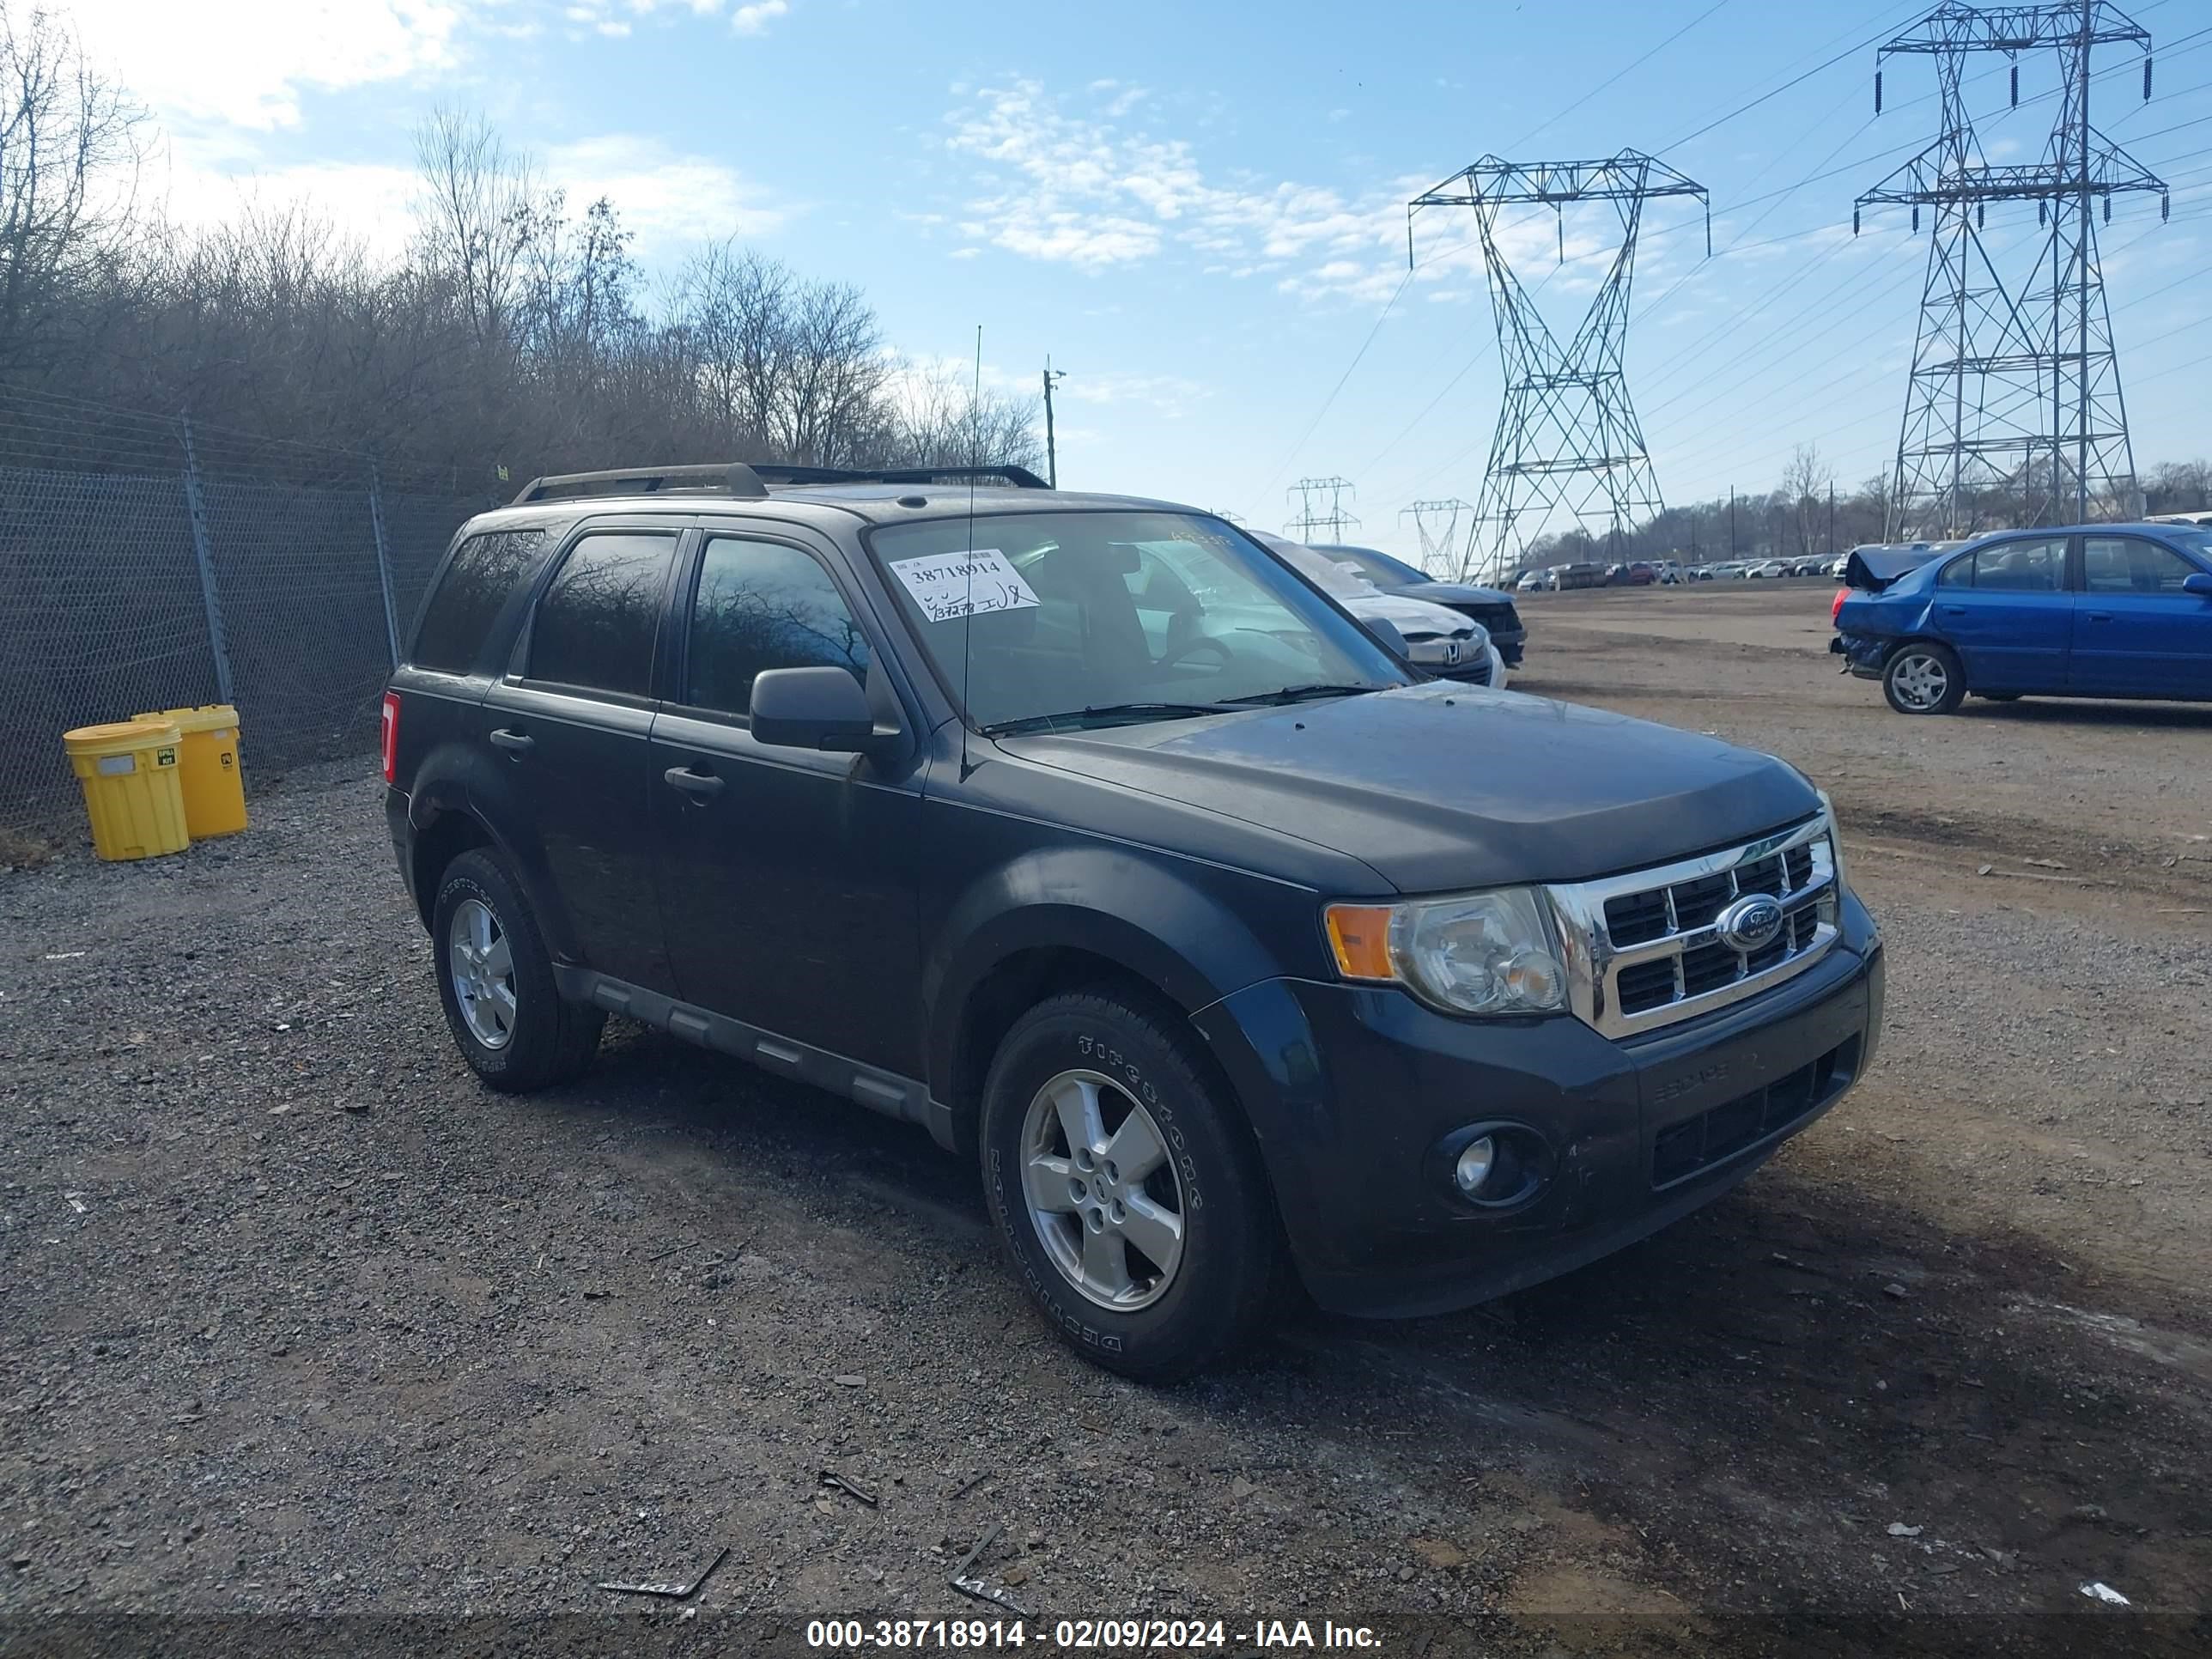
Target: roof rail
{"x":751,"y":479}
{"x":1019,"y":476}
{"x":732,"y":477}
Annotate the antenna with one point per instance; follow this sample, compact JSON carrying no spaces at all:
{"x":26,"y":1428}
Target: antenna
{"x":968,"y":620}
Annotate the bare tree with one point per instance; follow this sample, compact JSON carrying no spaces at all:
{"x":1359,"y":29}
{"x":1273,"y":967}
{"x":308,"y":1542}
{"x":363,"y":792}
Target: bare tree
{"x":1805,"y":484}
{"x":71,"y":147}
{"x":479,"y":212}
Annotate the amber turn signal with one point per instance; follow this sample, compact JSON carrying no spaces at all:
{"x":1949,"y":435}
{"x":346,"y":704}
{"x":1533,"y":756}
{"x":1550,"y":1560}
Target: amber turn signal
{"x":1360,"y":934}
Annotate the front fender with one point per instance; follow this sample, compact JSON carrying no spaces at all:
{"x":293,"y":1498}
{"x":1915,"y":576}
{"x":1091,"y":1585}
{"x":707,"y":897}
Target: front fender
{"x":1170,"y":925}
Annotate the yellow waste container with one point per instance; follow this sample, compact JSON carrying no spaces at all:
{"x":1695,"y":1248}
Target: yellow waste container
{"x":215,"y":787}
{"x":128,"y":774}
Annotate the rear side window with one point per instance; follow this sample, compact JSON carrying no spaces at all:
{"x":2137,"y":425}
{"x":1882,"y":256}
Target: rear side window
{"x":482,"y":572}
{"x":2038,"y":567}
{"x":762,"y":605}
{"x":2129,"y":564}
{"x":595,"y":625}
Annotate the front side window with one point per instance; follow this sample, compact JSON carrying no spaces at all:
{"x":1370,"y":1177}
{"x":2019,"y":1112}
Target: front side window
{"x":595,"y":624}
{"x":762,"y":605}
{"x":2129,"y":564}
{"x":2037,"y":567}
{"x":482,"y":572}
{"x":1035,"y":616}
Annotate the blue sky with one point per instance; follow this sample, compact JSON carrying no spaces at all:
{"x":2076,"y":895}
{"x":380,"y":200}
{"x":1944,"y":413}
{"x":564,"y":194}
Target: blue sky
{"x":1197,"y":209}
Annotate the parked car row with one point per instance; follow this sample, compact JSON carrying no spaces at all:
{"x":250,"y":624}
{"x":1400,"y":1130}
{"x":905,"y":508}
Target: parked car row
{"x":1105,"y":842}
{"x":2094,"y":610}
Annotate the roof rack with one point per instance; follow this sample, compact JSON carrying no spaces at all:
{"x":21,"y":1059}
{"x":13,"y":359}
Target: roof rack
{"x":752,"y":479}
{"x":734,"y":478}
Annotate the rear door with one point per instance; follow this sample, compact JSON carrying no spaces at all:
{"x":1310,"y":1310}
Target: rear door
{"x":2136,"y":632}
{"x":2004,"y":607}
{"x":786,"y":877}
{"x":572,"y":718}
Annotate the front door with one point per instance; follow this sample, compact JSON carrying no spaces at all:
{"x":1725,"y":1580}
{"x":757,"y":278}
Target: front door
{"x":2137,"y":633}
{"x":2005,"y":610}
{"x":785,"y":878}
{"x":569,"y":726}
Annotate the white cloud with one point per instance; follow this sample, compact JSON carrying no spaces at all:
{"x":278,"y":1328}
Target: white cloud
{"x":667,"y":197}
{"x":1169,"y":396}
{"x":249,"y":66}
{"x":755,"y":18}
{"x":365,"y":202}
{"x":1082,"y":190}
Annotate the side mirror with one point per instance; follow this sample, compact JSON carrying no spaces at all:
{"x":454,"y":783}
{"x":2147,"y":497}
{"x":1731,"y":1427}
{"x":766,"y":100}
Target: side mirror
{"x":2200,"y":585}
{"x":813,"y":708}
{"x":1393,"y":640}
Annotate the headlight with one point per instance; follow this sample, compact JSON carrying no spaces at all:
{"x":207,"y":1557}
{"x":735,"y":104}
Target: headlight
{"x":1481,"y":953}
{"x":1835,"y":840}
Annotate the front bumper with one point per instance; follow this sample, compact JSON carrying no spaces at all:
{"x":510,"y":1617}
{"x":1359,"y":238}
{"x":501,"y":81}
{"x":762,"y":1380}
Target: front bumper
{"x":1356,"y":1092}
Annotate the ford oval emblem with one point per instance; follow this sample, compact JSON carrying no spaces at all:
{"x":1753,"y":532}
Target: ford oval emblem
{"x":1752,"y":923}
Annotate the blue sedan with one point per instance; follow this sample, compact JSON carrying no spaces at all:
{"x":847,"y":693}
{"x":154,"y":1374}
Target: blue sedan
{"x":2097,"y":610}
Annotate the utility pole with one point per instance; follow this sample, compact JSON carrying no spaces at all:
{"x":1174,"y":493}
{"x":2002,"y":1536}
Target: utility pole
{"x":1437,"y":544}
{"x":1958,"y":440}
{"x":1051,"y":449}
{"x":1312,"y":521}
{"x":1568,"y":441}
{"x":1731,"y":521}
{"x":1831,"y":518}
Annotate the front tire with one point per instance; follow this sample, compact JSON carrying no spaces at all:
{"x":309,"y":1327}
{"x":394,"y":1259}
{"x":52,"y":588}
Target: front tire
{"x":1124,"y":1187}
{"x":496,"y":982}
{"x":1922,"y":677}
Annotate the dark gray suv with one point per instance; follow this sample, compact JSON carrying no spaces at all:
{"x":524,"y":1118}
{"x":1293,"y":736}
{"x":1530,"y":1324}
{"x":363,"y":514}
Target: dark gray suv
{"x":1225,"y":942}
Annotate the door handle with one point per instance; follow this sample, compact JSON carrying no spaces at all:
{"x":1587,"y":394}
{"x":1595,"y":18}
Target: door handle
{"x":516,"y":743}
{"x":1954,"y":609}
{"x":2101,"y":616}
{"x":700,"y":786}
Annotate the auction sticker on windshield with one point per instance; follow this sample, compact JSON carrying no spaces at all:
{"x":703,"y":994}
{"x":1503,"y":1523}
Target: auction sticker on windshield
{"x":950,"y":586}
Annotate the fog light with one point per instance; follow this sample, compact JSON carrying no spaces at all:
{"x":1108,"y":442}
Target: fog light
{"x":1474,"y":1166}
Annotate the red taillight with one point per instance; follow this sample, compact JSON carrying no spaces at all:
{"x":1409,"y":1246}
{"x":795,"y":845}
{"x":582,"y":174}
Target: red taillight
{"x":1834,"y":610}
{"x":391,"y":736}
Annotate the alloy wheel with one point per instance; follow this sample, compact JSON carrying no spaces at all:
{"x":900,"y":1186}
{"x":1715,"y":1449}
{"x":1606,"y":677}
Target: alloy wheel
{"x":1921,"y":680}
{"x":1102,"y":1191}
{"x":482,"y":969}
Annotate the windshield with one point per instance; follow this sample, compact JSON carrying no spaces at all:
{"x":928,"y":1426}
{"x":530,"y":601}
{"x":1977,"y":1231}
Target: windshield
{"x":1324,"y":572}
{"x":1042,"y":614}
{"x":1378,"y":567}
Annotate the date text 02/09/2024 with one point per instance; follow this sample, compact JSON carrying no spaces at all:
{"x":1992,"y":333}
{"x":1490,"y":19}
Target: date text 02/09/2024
{"x":1088,"y":1635}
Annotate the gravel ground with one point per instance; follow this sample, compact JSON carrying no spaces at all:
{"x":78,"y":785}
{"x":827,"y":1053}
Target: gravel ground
{"x":299,"y":1321}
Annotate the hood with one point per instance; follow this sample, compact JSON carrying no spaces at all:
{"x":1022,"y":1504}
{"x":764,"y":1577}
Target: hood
{"x":1438,"y":786}
{"x":1458,"y":594}
{"x":1411,"y":617}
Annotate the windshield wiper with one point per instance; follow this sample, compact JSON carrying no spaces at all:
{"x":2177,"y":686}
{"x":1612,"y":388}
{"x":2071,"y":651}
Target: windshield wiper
{"x":1304,"y":693}
{"x":1127,"y":711}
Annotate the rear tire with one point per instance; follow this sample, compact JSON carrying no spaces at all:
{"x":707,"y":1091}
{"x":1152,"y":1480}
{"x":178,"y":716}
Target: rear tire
{"x":1923,"y":677}
{"x":496,"y":982}
{"x":1126,"y":1189}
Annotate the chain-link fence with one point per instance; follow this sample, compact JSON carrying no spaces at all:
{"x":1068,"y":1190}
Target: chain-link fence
{"x":146,"y":563}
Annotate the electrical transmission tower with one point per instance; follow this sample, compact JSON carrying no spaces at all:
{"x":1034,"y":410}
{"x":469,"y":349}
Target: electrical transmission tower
{"x":1313,"y":524}
{"x":1437,"y":523}
{"x":2016,"y":389}
{"x":1567,"y":439}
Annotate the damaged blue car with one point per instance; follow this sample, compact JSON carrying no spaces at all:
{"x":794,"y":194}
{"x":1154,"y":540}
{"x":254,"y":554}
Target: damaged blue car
{"x":2095,"y":611}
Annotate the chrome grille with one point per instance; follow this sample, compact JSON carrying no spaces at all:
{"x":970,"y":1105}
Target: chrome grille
{"x":1644,"y":949}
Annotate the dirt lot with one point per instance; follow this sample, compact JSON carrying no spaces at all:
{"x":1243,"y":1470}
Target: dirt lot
{"x":298,"y":1319}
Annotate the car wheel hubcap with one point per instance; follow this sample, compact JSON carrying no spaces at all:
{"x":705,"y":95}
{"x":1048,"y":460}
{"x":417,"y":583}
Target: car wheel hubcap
{"x":1102,"y":1191}
{"x":483,"y":967}
{"x":1921,"y":681}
